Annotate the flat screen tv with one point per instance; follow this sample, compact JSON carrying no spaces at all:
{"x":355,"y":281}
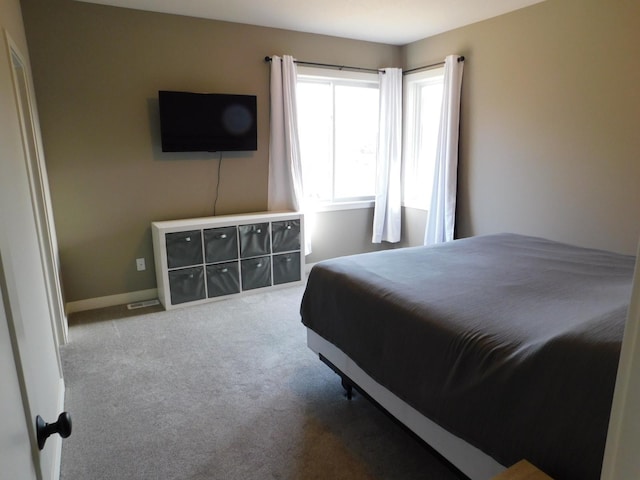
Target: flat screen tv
{"x":207,"y":122}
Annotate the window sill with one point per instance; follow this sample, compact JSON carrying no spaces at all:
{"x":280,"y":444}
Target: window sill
{"x":415,"y":207}
{"x":331,"y":207}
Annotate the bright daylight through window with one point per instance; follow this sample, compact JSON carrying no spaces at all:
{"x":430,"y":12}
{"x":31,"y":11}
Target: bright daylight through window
{"x":338,"y":129}
{"x":423,"y":99}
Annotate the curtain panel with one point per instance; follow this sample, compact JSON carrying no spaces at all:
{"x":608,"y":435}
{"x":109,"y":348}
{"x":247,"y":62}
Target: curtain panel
{"x":388,"y":200}
{"x":285,"y":165}
{"x":442,"y":212}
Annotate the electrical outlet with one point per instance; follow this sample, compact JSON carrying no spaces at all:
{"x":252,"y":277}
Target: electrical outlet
{"x":140,"y":265}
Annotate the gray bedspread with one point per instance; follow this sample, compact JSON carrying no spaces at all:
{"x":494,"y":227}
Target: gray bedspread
{"x":508,"y":341}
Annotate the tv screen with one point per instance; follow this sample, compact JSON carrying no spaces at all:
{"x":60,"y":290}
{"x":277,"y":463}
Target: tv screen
{"x":207,"y":122}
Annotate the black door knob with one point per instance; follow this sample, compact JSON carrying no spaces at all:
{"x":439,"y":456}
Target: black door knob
{"x":44,"y":429}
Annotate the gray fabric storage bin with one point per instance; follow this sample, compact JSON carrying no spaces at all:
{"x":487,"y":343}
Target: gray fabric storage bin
{"x":186,"y":285}
{"x":256,"y":272}
{"x":254,"y":239}
{"x":184,"y":248}
{"x":286,"y":268}
{"x":223,"y":279}
{"x":286,"y":235}
{"x":220,"y":244}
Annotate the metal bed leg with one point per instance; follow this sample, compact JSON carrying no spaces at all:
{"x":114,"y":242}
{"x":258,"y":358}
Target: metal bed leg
{"x":348,"y":388}
{"x":347,"y":383}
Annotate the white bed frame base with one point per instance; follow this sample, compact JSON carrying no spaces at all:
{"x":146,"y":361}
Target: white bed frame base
{"x":471,"y":461}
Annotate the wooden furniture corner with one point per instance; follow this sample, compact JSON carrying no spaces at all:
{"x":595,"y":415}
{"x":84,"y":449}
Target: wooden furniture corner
{"x":522,"y":470}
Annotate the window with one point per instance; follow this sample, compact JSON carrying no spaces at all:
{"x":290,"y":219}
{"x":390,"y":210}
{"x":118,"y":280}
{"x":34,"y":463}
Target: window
{"x":338,"y":129}
{"x":423,"y":99}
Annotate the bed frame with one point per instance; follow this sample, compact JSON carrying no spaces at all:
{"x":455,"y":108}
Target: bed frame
{"x":468,"y":459}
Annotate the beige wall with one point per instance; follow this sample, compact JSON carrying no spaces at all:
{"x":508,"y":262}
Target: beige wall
{"x":97,"y":71}
{"x":550,"y":117}
{"x":548,"y":141}
{"x":340,"y":233}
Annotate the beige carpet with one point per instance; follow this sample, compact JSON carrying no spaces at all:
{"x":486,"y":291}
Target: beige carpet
{"x":226,"y":390}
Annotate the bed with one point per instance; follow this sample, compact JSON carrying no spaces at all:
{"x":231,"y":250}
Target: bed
{"x":492,"y":349}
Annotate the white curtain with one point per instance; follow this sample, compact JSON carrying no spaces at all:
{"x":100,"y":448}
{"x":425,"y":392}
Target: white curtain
{"x":386,"y":217}
{"x":285,"y":165}
{"x":442,"y":212}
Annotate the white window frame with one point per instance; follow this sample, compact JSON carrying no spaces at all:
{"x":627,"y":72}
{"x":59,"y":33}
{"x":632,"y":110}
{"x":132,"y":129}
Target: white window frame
{"x":341,"y":77}
{"x":411,"y":84}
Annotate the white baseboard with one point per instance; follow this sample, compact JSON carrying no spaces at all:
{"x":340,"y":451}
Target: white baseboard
{"x":111,"y":300}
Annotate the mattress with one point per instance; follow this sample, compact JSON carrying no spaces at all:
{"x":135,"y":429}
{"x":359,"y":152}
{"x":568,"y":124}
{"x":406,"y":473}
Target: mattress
{"x":509,"y":342}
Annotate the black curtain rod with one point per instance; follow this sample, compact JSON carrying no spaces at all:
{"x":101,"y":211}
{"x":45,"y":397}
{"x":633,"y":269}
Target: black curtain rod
{"x":362,"y":69}
{"x":329,"y":65}
{"x":425,"y":67}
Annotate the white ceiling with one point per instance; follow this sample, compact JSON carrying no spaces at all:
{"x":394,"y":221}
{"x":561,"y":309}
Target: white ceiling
{"x":393,"y":22}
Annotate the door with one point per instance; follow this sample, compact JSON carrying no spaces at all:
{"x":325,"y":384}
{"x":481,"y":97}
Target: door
{"x":27,"y":326}
{"x":15,"y":446}
{"x":30,"y":363}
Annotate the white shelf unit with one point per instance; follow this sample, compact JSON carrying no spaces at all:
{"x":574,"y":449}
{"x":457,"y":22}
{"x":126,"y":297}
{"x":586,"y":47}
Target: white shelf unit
{"x":200,"y":260}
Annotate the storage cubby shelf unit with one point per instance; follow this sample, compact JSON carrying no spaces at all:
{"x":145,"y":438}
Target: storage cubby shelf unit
{"x":199,"y":260}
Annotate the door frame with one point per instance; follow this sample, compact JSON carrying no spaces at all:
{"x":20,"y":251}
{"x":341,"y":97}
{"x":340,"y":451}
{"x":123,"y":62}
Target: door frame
{"x":39,"y":188}
{"x":620,"y":455}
